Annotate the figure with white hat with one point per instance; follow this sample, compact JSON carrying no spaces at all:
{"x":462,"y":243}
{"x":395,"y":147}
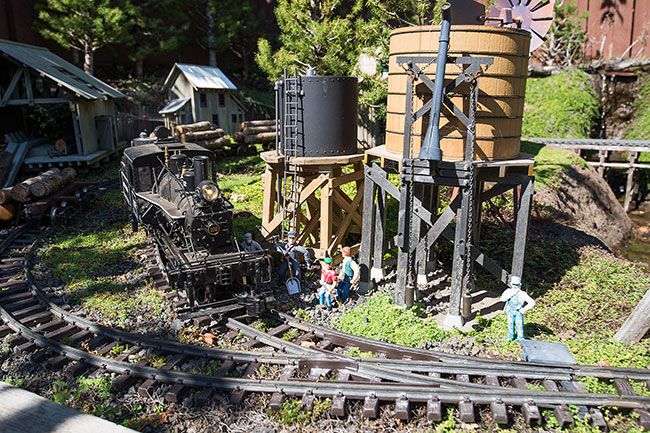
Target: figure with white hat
{"x":517,"y":303}
{"x":290,"y":250}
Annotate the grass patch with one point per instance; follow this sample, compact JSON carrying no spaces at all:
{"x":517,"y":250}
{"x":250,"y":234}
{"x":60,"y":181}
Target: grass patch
{"x":583,"y":311}
{"x":291,"y":413}
{"x":381,"y":319}
{"x":550,"y":162}
{"x":562,"y":105}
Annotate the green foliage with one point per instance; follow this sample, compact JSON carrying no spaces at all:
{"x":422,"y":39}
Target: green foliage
{"x":85,"y":25}
{"x":594,"y":297}
{"x":550,"y":162}
{"x":291,"y":413}
{"x":118,"y":349}
{"x":61,"y":393}
{"x":209,"y":368}
{"x":381,"y":319}
{"x":330,"y":35}
{"x":567,"y":38}
{"x":301,"y":313}
{"x":640,"y":128}
{"x":562,"y":105}
{"x":492,"y":334}
{"x":15,"y":381}
{"x":290,"y":335}
{"x":101,"y":385}
{"x":355,"y":352}
{"x":158,"y":26}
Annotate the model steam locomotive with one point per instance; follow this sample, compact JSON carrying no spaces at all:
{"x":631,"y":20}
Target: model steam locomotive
{"x":171,"y":191}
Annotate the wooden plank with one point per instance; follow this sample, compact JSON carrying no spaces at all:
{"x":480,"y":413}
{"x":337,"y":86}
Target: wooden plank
{"x":268,"y":203}
{"x":346,"y":222}
{"x":24,"y":412}
{"x":367,"y":241}
{"x":11,"y":87}
{"x":326,"y":213}
{"x":347,"y":178}
{"x":521,"y":228}
{"x":346,"y":204}
{"x":637,"y":324}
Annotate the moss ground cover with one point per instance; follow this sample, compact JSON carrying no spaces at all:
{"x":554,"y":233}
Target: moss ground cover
{"x":381,"y":319}
{"x":562,"y":105}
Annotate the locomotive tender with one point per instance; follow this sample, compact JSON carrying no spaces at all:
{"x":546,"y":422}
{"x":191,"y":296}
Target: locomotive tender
{"x":171,"y":191}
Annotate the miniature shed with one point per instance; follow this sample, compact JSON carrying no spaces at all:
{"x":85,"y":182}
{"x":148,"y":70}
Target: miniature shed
{"x":34,"y":80}
{"x":198,"y":93}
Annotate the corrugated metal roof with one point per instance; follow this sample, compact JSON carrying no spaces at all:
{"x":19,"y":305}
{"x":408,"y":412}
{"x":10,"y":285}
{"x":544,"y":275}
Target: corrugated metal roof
{"x":201,"y":77}
{"x":174,"y":105}
{"x":55,"y":68}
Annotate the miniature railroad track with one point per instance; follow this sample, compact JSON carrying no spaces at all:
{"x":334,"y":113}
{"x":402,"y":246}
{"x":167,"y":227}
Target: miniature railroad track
{"x":308,"y":366}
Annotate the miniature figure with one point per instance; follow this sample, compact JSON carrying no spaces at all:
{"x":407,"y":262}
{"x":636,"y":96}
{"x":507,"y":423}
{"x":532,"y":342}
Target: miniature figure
{"x":249,"y":245}
{"x":328,"y":283}
{"x":349,"y":275}
{"x":517,"y":303}
{"x":290,"y":262}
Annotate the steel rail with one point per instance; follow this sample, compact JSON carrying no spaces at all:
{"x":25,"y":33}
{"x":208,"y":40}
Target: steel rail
{"x":506,"y":368}
{"x":147,"y":341}
{"x":352,"y":390}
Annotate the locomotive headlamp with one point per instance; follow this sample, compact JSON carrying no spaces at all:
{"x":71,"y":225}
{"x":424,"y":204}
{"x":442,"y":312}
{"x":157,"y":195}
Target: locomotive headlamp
{"x":209,"y":191}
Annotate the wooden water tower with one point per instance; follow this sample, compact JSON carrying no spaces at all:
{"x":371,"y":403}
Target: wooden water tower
{"x":479,"y":117}
{"x":313,"y":182}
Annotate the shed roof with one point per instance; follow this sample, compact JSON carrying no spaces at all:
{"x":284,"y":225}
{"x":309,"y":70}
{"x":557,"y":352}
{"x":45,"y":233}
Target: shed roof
{"x":174,"y":105}
{"x":201,"y":77}
{"x":55,"y":68}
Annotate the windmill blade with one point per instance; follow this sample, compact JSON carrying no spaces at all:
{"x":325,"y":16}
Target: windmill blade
{"x":536,"y":16}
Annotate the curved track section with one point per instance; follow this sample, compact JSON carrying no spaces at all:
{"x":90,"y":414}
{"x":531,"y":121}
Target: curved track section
{"x":307,"y":365}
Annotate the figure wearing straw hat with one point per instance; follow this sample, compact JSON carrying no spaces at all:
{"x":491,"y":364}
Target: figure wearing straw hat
{"x":517,"y":303}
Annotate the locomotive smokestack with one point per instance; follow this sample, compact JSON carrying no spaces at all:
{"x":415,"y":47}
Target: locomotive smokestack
{"x":202,"y":169}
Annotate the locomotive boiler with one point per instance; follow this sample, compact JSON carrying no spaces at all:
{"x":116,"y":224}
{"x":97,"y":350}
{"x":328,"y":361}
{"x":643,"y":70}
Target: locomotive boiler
{"x":172,"y":192}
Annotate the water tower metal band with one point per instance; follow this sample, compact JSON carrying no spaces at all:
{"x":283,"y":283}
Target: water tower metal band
{"x":419,"y":224}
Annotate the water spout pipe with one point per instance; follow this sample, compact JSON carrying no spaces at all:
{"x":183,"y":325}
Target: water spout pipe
{"x":430,"y":149}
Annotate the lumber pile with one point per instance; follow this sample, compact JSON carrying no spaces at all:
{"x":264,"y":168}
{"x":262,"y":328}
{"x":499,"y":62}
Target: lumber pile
{"x":204,"y":134}
{"x":34,"y":188}
{"x":257,"y":131}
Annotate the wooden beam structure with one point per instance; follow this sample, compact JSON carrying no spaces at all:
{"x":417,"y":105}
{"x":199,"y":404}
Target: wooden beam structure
{"x":329,"y":203}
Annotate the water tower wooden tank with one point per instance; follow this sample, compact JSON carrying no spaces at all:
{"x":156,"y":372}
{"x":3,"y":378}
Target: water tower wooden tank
{"x":502,"y":89}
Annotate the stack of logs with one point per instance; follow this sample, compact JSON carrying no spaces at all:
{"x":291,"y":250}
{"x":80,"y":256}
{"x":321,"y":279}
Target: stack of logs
{"x":204,"y":134}
{"x":257,"y":131}
{"x":35,"y":187}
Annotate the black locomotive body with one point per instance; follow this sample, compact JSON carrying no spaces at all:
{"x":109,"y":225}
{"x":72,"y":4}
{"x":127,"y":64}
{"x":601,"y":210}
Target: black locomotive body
{"x":172,"y":192}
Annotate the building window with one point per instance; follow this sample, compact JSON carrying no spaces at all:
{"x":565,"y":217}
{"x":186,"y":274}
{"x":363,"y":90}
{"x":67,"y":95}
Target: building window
{"x":222,"y":100}
{"x":241,"y":118}
{"x":203,"y":99}
{"x":215,"y":119}
{"x":233,"y":118}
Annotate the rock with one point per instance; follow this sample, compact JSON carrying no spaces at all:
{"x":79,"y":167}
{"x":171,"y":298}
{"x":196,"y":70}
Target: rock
{"x":264,"y":430}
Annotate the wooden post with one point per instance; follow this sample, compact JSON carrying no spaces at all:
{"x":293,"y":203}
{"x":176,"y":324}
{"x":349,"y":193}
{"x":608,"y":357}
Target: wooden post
{"x":366,"y":230}
{"x":521,"y":228}
{"x":454,"y":318}
{"x":404,"y":282}
{"x":602,"y":159}
{"x":629,"y":186}
{"x":377,"y":269}
{"x":268,"y":202}
{"x":637,"y":325}
{"x":326,"y":212}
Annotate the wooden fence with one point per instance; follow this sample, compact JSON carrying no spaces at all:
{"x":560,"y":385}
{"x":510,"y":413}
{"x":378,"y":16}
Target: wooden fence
{"x":617,"y":28}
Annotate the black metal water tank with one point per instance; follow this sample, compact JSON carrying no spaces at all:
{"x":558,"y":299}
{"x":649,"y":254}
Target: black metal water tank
{"x":327,"y":116}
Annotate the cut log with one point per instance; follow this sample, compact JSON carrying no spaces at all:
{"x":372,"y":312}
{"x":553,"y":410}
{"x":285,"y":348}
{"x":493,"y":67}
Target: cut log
{"x":252,"y":130}
{"x":637,"y":325}
{"x":5,"y":195}
{"x":219,"y":143}
{"x":239,"y":137}
{"x":7,"y":212}
{"x":194,"y":127}
{"x":265,"y":137}
{"x":60,"y":145}
{"x":193,"y":137}
{"x":249,"y":123}
{"x":68,"y":174}
{"x":45,"y":183}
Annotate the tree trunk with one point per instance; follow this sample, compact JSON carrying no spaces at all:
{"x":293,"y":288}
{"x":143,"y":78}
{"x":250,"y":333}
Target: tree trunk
{"x":212,"y":52}
{"x":89,"y":58}
{"x":139,"y":68}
